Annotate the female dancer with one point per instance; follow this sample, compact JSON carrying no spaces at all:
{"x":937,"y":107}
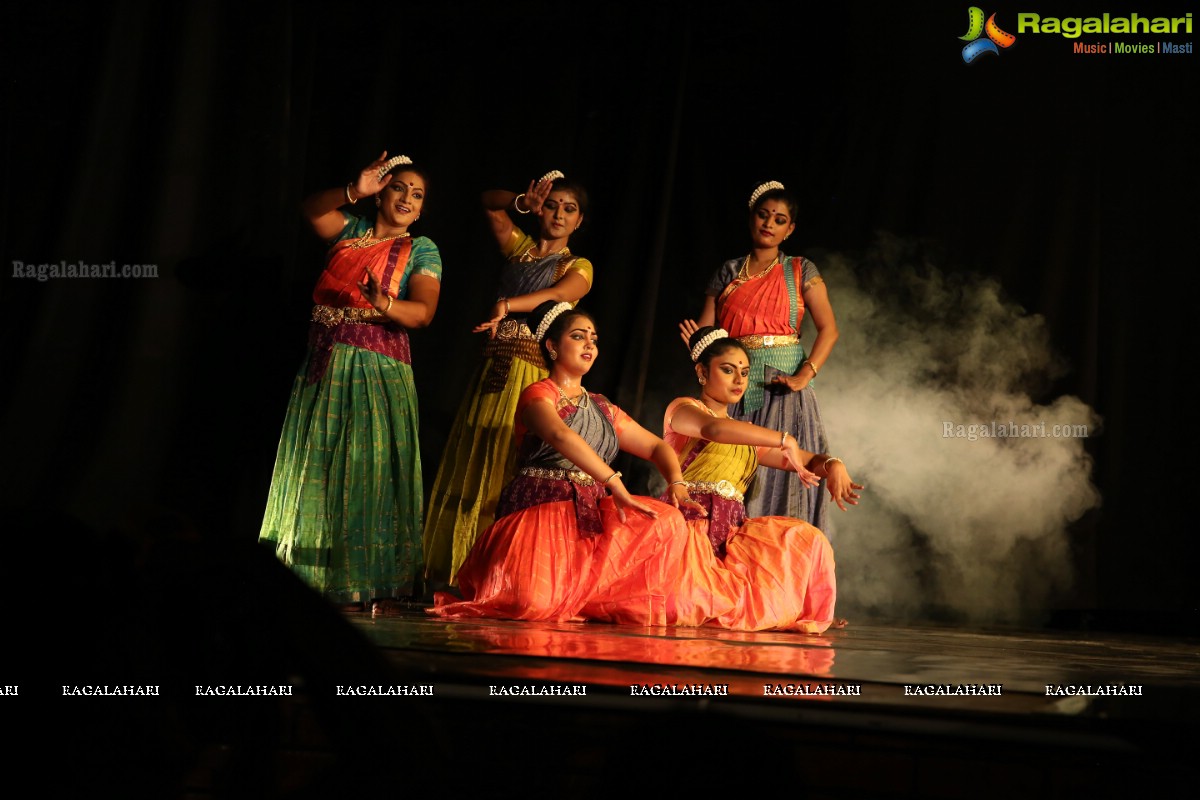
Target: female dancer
{"x":344,"y":510}
{"x":479,"y":457}
{"x":767,"y":573}
{"x":569,"y":541}
{"x":761,"y":299}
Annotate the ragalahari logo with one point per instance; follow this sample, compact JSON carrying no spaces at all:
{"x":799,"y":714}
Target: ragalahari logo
{"x":976,"y":27}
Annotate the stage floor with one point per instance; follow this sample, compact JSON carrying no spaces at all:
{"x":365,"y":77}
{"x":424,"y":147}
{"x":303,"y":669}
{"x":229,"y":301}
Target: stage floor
{"x":885,"y":710}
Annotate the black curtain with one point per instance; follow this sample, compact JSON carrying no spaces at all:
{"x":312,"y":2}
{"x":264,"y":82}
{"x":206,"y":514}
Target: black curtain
{"x":184,"y":135}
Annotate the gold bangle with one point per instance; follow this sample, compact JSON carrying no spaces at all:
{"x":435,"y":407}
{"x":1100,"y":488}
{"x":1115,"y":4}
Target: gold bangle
{"x":814,"y":367}
{"x":783,"y":439}
{"x":610,"y":477}
{"x":349,"y":199}
{"x":517,"y":204}
{"x":388,"y":307}
{"x":676,"y":483}
{"x":507,"y":310}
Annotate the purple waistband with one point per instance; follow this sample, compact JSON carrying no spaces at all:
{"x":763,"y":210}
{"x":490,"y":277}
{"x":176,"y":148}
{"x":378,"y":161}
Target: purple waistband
{"x":526,"y":491}
{"x":723,"y":516}
{"x":387,"y":340}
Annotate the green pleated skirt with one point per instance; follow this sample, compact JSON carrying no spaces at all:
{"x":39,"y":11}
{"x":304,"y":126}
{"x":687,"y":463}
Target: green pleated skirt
{"x":344,"y":510}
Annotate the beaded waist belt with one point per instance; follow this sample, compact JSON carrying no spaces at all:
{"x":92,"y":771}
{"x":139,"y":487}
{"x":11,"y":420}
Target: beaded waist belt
{"x":329,"y":316}
{"x":719,"y":488}
{"x":573,"y":475}
{"x":754,"y":341}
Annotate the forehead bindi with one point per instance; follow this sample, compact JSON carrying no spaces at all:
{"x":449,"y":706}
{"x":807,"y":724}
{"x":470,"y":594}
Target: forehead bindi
{"x":408,"y":179}
{"x":775,"y":208}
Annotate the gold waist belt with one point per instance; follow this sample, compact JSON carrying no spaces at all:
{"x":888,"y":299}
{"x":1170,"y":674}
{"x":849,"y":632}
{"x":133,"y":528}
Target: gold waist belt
{"x":757,"y":342}
{"x":573,"y":475}
{"x":719,"y":488}
{"x":330,"y":316}
{"x":513,"y":340}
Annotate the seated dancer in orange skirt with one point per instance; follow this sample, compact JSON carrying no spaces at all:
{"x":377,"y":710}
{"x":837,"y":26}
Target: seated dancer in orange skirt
{"x":746,"y":574}
{"x":569,"y":541}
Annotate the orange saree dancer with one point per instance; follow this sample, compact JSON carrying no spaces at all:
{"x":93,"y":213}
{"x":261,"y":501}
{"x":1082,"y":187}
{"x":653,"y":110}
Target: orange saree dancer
{"x":749,"y":574}
{"x":558,"y":549}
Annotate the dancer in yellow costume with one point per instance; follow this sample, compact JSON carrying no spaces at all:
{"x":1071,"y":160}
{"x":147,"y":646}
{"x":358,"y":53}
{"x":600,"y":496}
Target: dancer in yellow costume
{"x":479,"y":458}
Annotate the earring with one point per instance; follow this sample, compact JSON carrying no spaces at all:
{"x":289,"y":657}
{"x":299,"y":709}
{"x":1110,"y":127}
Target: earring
{"x":702,"y":380}
{"x":553,"y":356}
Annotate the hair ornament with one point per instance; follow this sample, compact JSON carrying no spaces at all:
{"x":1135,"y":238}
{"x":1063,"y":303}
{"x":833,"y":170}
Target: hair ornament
{"x":554,"y":313}
{"x":552,"y":175}
{"x":764,"y":187}
{"x":392,"y":163}
{"x":706,"y":340}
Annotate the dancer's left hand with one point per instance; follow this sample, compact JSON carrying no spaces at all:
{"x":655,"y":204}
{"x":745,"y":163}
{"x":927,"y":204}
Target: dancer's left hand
{"x":372,"y":292}
{"x":793,"y":382}
{"x":841,"y":488}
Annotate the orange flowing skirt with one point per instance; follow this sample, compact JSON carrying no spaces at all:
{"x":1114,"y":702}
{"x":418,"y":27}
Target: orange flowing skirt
{"x":534,"y":565}
{"x":777,"y":574}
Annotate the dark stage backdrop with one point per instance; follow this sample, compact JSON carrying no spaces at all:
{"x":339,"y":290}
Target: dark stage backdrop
{"x":183,"y":136}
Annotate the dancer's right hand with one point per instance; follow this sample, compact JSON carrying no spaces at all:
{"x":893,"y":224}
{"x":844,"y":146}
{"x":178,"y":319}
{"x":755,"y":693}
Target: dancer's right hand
{"x":624,"y":500}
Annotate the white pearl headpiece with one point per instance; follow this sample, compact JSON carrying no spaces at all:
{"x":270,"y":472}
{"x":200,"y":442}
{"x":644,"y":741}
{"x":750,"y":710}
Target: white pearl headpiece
{"x":392,"y":163}
{"x":554,"y":313}
{"x":552,"y":175}
{"x":764,"y":187}
{"x":708,"y":338}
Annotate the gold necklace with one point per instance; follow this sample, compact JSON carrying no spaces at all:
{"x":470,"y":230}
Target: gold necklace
{"x":744,"y":272}
{"x":529,"y":255}
{"x":367,"y":241}
{"x":578,"y":402}
{"x":712,"y":413}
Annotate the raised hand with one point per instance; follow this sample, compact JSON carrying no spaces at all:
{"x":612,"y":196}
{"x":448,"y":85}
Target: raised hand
{"x":686,"y":329}
{"x":369,"y":182}
{"x":536,"y":194}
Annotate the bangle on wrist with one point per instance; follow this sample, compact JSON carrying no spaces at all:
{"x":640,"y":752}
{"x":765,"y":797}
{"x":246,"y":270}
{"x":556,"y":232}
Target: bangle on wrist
{"x":388,"y":307}
{"x":783,"y":439}
{"x":676,"y":483}
{"x":349,"y":199}
{"x":517,"y":204}
{"x":610,"y":477}
{"x":829,"y":460}
{"x":507,"y":310}
{"x":813,"y":366}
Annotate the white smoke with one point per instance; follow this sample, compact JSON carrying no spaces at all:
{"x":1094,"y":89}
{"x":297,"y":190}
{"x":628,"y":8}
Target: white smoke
{"x":976,"y":529}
